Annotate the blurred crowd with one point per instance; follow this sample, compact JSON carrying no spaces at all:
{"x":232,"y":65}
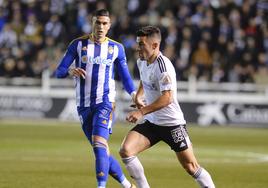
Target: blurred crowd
{"x":213,"y":40}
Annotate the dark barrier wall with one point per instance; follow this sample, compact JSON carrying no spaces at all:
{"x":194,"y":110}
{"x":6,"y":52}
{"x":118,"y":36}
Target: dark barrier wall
{"x":203,"y":114}
{"x":220,"y":113}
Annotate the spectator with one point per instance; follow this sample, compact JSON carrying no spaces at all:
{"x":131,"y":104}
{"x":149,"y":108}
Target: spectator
{"x":237,"y":30}
{"x":2,"y":18}
{"x":8,"y":37}
{"x":8,"y":68}
{"x":17,"y":24}
{"x":23,"y":69}
{"x":40,"y":64}
{"x":32,"y":36}
{"x":203,"y":61}
{"x":54,"y":28}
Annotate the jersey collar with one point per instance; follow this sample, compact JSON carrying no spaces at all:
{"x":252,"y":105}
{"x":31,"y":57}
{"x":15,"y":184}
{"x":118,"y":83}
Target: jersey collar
{"x":91,"y":38}
{"x":159,"y":54}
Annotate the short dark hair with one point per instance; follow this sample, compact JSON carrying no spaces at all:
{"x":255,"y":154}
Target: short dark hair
{"x":149,"y":31}
{"x":101,"y":12}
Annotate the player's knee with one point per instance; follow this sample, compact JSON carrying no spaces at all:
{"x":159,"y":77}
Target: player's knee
{"x":191,"y":167}
{"x":125,"y":151}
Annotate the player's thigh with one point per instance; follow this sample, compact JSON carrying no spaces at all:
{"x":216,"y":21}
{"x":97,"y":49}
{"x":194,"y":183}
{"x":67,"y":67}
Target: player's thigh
{"x":101,"y":121}
{"x":85,"y":117}
{"x":140,"y":138}
{"x":133,"y":144}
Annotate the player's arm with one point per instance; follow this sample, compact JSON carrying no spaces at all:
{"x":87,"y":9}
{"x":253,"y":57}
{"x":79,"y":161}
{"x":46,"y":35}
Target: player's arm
{"x":164,"y":100}
{"x":121,"y":65}
{"x":139,"y":102}
{"x":165,"y":84}
{"x":63,"y":70}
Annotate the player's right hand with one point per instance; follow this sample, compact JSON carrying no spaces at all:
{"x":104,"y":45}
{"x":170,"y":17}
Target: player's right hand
{"x":77,"y":72}
{"x":134,"y":116}
{"x":139,"y":102}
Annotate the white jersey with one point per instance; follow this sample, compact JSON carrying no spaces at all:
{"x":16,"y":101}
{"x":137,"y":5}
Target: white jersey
{"x":156,"y":78}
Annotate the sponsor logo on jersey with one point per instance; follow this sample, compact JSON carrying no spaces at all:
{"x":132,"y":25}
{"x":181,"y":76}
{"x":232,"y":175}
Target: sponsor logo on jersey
{"x":84,"y":59}
{"x":104,"y":122}
{"x":96,"y":60}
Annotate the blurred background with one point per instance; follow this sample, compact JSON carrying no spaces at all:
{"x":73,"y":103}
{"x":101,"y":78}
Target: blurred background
{"x":219,"y":49}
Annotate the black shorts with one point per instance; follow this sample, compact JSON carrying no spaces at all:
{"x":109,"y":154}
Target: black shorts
{"x":175,"y":136}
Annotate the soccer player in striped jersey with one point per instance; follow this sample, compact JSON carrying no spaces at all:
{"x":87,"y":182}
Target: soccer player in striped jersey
{"x":163,"y":117}
{"x":95,"y":57}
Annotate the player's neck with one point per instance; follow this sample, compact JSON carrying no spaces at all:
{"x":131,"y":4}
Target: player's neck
{"x":152,"y":58}
{"x":95,"y":39}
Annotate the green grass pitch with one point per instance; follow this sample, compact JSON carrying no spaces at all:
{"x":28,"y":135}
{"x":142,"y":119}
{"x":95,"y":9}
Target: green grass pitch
{"x":43,"y":154}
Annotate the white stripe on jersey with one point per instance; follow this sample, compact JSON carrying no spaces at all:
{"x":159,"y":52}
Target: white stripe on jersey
{"x":77,"y":80}
{"x":101,"y":73}
{"x":111,"y":95}
{"x":101,"y":61}
{"x":89,"y":67}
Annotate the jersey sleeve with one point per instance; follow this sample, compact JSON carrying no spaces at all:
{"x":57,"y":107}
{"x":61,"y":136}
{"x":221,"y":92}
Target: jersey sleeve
{"x":164,"y":77}
{"x":67,"y":60}
{"x":121,"y":65}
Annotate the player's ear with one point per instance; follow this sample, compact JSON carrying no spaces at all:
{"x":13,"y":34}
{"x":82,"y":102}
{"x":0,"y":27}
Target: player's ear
{"x":155,"y":45}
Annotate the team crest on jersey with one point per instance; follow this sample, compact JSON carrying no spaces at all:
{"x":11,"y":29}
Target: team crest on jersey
{"x":84,"y":59}
{"x":177,"y":135}
{"x":110,"y":50}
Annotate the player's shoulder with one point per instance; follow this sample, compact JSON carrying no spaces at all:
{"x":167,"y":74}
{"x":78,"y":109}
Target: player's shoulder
{"x":163,"y":63}
{"x":115,"y":42}
{"x":81,"y":38}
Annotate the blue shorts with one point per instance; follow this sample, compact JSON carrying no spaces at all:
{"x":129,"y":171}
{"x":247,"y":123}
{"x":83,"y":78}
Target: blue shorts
{"x":96,"y":120}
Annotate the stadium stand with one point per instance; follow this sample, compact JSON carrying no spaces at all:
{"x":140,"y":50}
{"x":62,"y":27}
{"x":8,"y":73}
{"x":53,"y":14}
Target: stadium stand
{"x":215,"y":41}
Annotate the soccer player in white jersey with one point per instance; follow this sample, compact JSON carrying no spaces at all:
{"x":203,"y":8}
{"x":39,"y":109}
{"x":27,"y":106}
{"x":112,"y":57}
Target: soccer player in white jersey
{"x":95,"y":57}
{"x":163,"y":118}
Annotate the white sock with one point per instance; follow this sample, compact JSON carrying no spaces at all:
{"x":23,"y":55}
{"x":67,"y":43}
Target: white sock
{"x":203,"y":178}
{"x":136,"y":171}
{"x":125,"y":183}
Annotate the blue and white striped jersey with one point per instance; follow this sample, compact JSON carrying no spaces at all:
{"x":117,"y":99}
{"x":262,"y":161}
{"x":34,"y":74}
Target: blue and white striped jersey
{"x":98,"y":60}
